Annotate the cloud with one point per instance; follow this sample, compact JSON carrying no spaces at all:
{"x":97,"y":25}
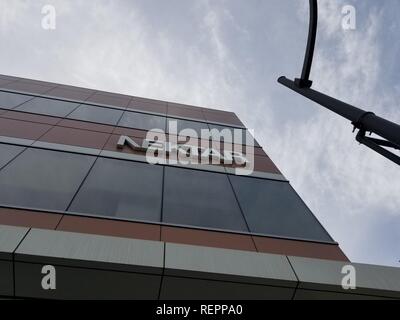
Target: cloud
{"x":10,"y":15}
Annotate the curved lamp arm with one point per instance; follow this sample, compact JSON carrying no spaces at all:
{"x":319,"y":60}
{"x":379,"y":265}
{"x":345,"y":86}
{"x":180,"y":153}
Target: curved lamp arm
{"x":304,"y":81}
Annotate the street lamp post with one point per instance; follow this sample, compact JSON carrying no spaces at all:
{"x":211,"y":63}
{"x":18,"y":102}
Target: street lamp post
{"x":363,"y":121}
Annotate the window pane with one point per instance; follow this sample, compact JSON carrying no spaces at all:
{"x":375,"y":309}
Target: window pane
{"x":274,"y":208}
{"x":49,"y":107}
{"x":142,"y":121}
{"x":186,"y":124}
{"x":11,"y":100}
{"x":8,"y":152}
{"x":122,"y":189}
{"x":96,"y":114}
{"x":199,"y":198}
{"x":43,"y":179}
{"x":246,"y":137}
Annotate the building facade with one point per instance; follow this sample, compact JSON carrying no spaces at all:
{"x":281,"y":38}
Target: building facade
{"x":125,"y":197}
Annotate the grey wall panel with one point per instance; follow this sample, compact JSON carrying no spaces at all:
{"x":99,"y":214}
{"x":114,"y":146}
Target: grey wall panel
{"x":10,"y":237}
{"x":67,"y":148}
{"x":17,"y":141}
{"x":176,"y":288}
{"x":123,"y":156}
{"x":259,"y":174}
{"x":92,"y":251}
{"x":326,"y":275}
{"x":79,"y":283}
{"x":228,"y":265}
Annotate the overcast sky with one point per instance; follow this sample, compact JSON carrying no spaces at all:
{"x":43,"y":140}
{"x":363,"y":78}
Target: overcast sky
{"x":228,"y":55}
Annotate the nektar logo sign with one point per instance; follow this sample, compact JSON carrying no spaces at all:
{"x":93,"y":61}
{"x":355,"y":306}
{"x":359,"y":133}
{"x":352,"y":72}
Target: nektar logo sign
{"x":167,"y":152}
{"x":226,"y":156}
{"x":186,"y":147}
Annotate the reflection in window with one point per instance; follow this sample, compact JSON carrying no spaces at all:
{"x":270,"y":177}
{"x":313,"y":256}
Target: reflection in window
{"x":8,"y":152}
{"x":124,"y":189}
{"x":51,"y":107}
{"x":10,"y":100}
{"x":43,"y":179}
{"x":187,"y":124}
{"x":199,"y":198}
{"x":245,"y":136}
{"x":96,"y":114}
{"x":274,"y":208}
{"x":142,"y":121}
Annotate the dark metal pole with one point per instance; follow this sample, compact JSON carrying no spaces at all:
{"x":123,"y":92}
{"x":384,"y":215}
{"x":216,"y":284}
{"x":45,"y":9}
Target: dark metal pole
{"x":304,"y":81}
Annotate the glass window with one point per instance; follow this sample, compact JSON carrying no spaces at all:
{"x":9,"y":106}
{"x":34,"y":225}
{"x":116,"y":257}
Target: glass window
{"x":11,"y":100}
{"x":246,"y":137}
{"x":49,"y":107}
{"x":187,"y":124}
{"x":96,"y":114}
{"x":8,"y":152}
{"x":199,"y":198}
{"x":142,"y":121}
{"x":274,"y":208}
{"x":43,"y":179}
{"x":118,"y":188}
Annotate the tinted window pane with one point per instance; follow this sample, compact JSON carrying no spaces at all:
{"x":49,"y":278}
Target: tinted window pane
{"x":8,"y":152}
{"x":199,"y":198}
{"x":142,"y":121}
{"x":49,"y":107}
{"x":11,"y":100}
{"x":274,"y":208}
{"x":43,"y":179}
{"x":246,"y":137}
{"x":186,"y":124}
{"x":122,"y":189}
{"x":96,"y":114}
